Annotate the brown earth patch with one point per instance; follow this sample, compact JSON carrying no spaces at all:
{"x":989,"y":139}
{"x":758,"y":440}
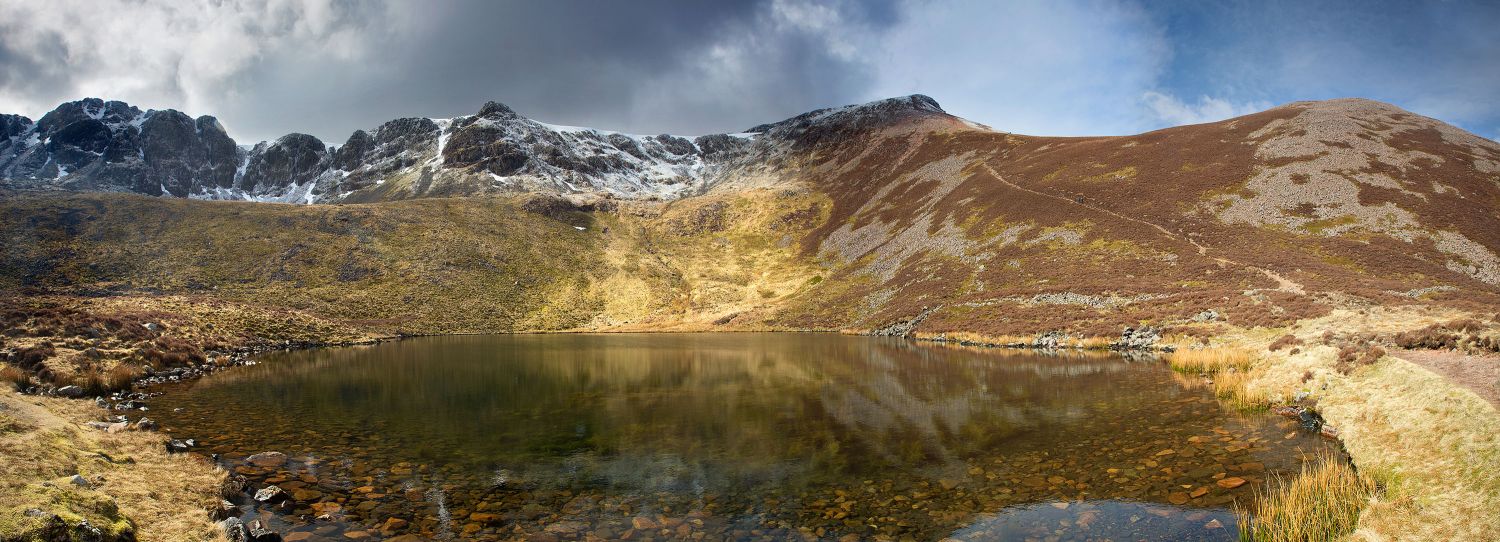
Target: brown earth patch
{"x":1479,"y":373}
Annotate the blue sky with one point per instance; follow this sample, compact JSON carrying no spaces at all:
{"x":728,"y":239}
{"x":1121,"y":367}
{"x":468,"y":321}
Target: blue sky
{"x":1057,"y":67}
{"x":1096,"y":67}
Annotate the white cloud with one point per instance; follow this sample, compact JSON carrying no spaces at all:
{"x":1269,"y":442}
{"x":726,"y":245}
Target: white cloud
{"x":1055,"y":68}
{"x":185,"y":55}
{"x":1172,"y":111}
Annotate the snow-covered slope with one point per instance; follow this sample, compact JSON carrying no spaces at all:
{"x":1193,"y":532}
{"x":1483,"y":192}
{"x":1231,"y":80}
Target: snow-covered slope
{"x":96,"y":145}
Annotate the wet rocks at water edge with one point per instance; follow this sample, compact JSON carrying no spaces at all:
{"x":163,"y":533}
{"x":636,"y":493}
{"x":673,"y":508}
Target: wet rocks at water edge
{"x":233,"y":529}
{"x":258,"y":532}
{"x":236,"y":530}
{"x":177,"y":446}
{"x":271,"y":495}
{"x":1308,"y":419}
{"x":223,"y":510}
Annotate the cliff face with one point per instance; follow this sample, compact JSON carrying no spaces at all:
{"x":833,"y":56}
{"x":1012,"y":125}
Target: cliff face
{"x":868,"y":216}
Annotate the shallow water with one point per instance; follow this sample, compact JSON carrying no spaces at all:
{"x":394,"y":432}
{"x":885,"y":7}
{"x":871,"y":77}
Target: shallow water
{"x":732,"y":436}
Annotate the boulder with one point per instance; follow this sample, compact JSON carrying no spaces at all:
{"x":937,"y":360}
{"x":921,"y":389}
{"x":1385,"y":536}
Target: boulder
{"x":223,"y":510}
{"x":271,"y":495}
{"x":234,"y":530}
{"x":259,"y":532}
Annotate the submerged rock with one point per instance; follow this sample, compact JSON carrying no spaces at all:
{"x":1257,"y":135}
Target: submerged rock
{"x":267,"y":459}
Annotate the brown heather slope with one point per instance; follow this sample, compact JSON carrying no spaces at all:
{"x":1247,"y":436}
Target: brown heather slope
{"x":1266,"y":218}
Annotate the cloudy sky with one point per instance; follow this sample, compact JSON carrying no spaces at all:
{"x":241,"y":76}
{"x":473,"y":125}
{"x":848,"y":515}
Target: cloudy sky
{"x":1066,"y":67}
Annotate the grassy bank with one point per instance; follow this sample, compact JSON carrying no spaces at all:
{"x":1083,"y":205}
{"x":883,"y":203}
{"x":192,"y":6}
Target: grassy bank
{"x":126,"y":486}
{"x":1433,"y":445}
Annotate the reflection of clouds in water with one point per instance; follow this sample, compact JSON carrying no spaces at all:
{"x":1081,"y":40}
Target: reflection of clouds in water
{"x":1101,"y":519}
{"x":898,"y":393}
{"x":670,"y":412}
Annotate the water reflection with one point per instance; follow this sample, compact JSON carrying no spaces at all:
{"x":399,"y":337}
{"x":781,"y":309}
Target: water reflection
{"x":728,"y":434}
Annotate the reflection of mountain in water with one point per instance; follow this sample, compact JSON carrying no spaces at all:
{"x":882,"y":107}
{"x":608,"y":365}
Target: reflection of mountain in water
{"x":670,"y":412}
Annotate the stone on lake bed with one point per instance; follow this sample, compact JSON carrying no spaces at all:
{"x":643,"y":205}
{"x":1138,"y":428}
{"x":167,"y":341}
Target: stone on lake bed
{"x":1231,"y":482}
{"x":1177,"y":497}
{"x":267,"y":459}
{"x":306,"y":495}
{"x":326,"y":508}
{"x":393,"y":524}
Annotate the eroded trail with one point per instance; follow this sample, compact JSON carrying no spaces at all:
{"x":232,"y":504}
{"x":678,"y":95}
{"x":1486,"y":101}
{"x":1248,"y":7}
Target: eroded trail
{"x":1283,"y":284}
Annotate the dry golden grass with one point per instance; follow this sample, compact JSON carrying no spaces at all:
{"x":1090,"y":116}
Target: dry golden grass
{"x":1323,"y":503}
{"x":981,"y":339}
{"x":1210,"y":360}
{"x":13,"y":375}
{"x":136,"y":484}
{"x":1435,"y":443}
{"x":964,"y":337}
{"x":1234,"y":388}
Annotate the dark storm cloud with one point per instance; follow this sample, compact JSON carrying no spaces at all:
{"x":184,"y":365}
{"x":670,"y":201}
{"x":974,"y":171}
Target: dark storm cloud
{"x":327,"y":68}
{"x":680,"y":67}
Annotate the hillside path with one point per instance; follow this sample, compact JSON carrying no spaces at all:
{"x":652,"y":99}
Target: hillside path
{"x":1282,"y":283}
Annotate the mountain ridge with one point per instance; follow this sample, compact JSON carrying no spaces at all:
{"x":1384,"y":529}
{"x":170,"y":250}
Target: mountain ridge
{"x":93,"y":144}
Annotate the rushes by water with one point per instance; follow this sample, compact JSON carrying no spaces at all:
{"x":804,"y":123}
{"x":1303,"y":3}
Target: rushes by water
{"x":1231,"y":371}
{"x":1323,"y":503}
{"x":1232,"y":387}
{"x":1209,"y":360}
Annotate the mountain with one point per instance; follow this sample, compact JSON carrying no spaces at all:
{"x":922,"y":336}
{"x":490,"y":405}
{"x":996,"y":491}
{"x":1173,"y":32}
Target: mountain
{"x":96,"y":145}
{"x":888,"y":215}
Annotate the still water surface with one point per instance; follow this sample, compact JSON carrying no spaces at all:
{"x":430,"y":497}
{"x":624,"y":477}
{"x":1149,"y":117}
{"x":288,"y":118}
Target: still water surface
{"x":731,"y":436}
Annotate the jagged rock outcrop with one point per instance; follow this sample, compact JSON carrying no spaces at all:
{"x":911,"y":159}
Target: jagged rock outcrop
{"x":290,"y":165}
{"x":112,"y":146}
{"x":92,"y":144}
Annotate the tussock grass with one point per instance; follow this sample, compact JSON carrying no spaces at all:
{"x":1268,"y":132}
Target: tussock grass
{"x":13,"y":375}
{"x":1233,"y":387}
{"x":1323,"y":503}
{"x":1210,"y":360}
